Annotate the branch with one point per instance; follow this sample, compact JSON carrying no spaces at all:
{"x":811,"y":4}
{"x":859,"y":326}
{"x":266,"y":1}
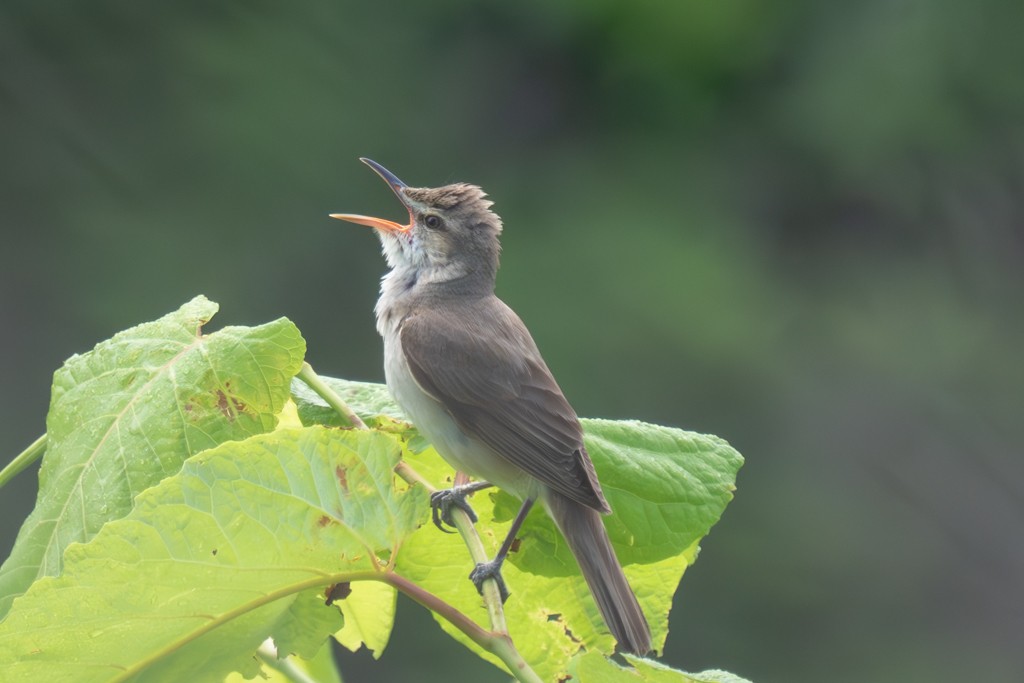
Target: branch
{"x":23,"y":460}
{"x":314,"y":382}
{"x":491,"y":593}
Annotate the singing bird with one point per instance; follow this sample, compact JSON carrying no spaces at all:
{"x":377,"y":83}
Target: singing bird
{"x":466,"y":371}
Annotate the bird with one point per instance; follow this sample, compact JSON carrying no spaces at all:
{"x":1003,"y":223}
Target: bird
{"x":467,"y":372}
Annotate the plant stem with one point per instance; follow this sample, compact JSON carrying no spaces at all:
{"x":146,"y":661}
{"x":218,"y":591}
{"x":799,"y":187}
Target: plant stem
{"x":498,"y":644}
{"x":411,"y":476}
{"x":285,"y":666}
{"x":23,"y":460}
{"x":313,"y":381}
{"x":491,"y":593}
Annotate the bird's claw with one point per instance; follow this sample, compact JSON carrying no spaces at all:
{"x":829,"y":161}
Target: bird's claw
{"x":442,"y":502}
{"x":489,"y":570}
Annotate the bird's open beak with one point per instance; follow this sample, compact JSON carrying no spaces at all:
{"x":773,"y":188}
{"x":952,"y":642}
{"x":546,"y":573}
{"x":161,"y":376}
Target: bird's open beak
{"x":396,"y":186}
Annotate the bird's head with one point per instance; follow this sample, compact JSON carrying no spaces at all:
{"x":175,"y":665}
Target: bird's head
{"x":452,"y":233}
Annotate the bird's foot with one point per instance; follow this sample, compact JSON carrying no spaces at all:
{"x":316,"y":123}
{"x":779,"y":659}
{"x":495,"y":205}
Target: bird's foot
{"x":442,"y":502}
{"x":489,"y":570}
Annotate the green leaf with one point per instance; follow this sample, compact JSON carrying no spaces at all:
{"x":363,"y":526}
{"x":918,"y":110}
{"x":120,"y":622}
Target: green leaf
{"x":369,"y":616}
{"x":592,"y":667}
{"x":667,"y":487}
{"x":125,"y":415}
{"x":302,"y":628}
{"x":211,"y":562}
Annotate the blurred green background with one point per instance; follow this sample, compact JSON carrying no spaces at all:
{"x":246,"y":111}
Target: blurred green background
{"x":797,"y":225}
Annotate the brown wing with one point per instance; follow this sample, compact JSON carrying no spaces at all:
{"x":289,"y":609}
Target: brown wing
{"x":481,"y":363}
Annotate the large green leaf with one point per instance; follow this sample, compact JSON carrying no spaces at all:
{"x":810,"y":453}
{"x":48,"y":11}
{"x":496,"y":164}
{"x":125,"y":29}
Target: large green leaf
{"x":217,"y":558}
{"x":667,"y":488}
{"x":125,"y":415}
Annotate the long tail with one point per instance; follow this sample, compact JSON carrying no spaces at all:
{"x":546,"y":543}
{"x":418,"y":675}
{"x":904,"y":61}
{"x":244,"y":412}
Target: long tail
{"x":585,"y":534}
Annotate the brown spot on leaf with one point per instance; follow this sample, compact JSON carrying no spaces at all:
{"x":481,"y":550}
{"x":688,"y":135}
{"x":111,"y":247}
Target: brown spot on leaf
{"x":514,"y":548}
{"x":223,"y":406}
{"x":239,"y":406}
{"x":323,"y":521}
{"x":337,"y":591}
{"x":214,"y":551}
{"x":188,"y":407}
{"x":342,"y":474}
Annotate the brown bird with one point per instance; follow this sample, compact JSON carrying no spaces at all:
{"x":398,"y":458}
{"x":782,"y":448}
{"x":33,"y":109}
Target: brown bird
{"x":468,"y":374}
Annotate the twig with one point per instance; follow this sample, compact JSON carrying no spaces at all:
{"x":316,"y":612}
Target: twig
{"x":23,"y":460}
{"x":314,"y":382}
{"x":491,"y":592}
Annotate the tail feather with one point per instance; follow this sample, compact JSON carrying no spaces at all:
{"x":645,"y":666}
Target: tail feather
{"x":584,"y":532}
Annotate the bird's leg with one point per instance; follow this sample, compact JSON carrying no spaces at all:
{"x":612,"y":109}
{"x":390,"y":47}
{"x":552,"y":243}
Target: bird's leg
{"x":442,"y":502}
{"x":492,"y":569}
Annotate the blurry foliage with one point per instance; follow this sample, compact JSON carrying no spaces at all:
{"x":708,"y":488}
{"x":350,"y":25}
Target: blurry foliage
{"x":797,"y":225}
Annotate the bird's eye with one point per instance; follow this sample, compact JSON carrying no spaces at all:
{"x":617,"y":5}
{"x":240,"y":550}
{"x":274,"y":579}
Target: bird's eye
{"x":433,"y":222}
